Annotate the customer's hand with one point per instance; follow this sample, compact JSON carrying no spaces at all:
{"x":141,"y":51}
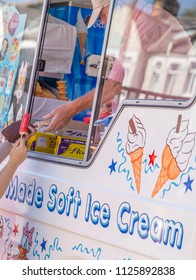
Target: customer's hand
{"x":27,"y":135}
{"x":18,"y":152}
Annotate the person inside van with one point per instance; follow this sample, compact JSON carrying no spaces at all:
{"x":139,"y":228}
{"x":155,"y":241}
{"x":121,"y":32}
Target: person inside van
{"x":100,"y":9}
{"x":155,"y":33}
{"x":17,"y":154}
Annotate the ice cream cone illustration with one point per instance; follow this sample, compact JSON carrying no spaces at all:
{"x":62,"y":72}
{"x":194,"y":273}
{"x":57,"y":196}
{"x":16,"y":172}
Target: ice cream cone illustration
{"x":135,"y":145}
{"x":2,"y":98}
{"x":11,"y":115}
{"x":169,"y":170}
{"x":136,"y":161}
{"x":22,"y":80}
{"x":81,"y":32}
{"x":10,"y":80}
{"x":82,"y":39}
{"x":176,"y":154}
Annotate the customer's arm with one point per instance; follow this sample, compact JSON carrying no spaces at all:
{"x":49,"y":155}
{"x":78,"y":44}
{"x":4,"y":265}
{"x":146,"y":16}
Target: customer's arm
{"x":5,"y":149}
{"x":17,"y":155}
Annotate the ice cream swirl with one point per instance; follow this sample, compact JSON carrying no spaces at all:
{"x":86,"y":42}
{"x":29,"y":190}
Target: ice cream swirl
{"x":136,"y":136}
{"x":181,"y":144}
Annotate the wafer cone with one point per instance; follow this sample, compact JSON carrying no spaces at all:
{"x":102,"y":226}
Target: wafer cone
{"x":61,"y":86}
{"x":169,"y":170}
{"x":136,"y":161}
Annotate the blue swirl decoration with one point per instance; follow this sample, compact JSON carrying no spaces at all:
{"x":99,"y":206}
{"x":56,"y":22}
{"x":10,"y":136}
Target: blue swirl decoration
{"x":35,"y":251}
{"x":121,"y":167}
{"x":95,"y":253}
{"x":53,"y":247}
{"x":176,"y":185}
{"x":149,"y":168}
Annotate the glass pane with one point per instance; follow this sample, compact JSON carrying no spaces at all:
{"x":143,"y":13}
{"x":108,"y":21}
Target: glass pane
{"x":154,"y":53}
{"x":19,"y":28}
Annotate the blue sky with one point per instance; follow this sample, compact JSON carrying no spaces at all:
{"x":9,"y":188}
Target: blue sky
{"x":187,"y":4}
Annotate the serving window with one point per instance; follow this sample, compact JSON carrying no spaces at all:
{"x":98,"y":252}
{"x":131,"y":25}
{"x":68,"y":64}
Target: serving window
{"x":71,"y":56}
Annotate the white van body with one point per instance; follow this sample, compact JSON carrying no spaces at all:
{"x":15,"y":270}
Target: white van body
{"x":94,"y":212}
{"x":107,"y":208}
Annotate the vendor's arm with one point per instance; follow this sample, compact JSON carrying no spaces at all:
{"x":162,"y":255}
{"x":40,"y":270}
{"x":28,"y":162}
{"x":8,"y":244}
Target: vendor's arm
{"x":64,"y":113}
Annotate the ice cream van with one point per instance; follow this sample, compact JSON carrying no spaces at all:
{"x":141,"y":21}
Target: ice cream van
{"x":110,"y":186}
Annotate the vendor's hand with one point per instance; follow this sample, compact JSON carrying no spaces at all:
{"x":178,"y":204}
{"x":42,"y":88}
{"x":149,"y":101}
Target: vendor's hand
{"x":106,"y":110}
{"x":18,"y":152}
{"x":60,"y":117}
{"x":107,"y":107}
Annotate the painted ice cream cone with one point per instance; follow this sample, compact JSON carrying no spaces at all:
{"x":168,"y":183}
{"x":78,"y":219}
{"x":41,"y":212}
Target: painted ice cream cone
{"x":135,"y":145}
{"x":2,"y":98}
{"x":11,"y":115}
{"x":136,"y":161}
{"x":82,"y":40}
{"x":169,"y":170}
{"x":81,"y":32}
{"x":176,"y":154}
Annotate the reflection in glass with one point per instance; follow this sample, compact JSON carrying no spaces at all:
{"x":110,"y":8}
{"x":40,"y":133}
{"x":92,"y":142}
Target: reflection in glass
{"x":190,"y":84}
{"x":153,"y":46}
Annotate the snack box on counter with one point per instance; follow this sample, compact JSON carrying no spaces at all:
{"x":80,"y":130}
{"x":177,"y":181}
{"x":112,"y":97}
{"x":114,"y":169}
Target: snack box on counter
{"x":42,"y":142}
{"x":70,"y":145}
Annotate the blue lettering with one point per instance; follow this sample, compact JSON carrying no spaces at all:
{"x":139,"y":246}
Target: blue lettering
{"x":61,"y":203}
{"x":39,"y":197}
{"x":52,"y":203}
{"x":173,"y":233}
{"x":95,"y":212}
{"x":23,"y":193}
{"x":134,"y":218}
{"x":95,"y":208}
{"x":69,"y":200}
{"x":77,"y":202}
{"x":12,"y":190}
{"x":105,"y":215}
{"x":156,"y":229}
{"x":143,"y":226}
{"x":30,"y":193}
{"x":123,"y":209}
{"x":166,"y":232}
{"x":88,"y":208}
{"x":98,"y":24}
